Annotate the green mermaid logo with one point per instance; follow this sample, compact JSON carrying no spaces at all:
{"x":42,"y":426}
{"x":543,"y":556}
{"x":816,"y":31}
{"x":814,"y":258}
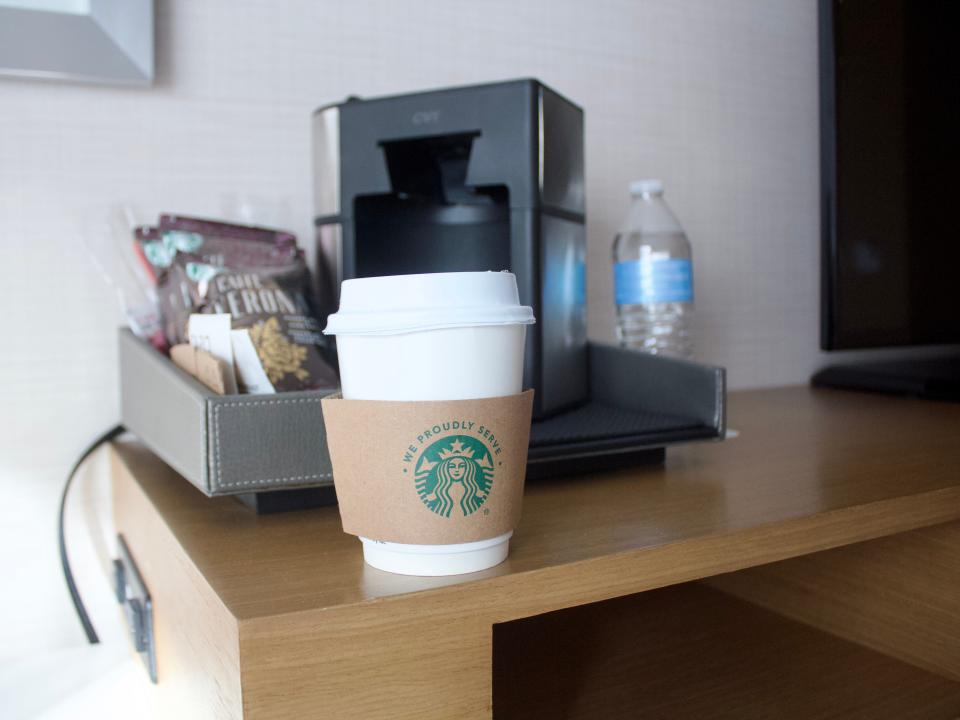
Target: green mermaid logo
{"x":456,"y":470}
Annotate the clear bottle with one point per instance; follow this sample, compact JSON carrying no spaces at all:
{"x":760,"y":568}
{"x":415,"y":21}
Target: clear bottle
{"x":653,"y":276}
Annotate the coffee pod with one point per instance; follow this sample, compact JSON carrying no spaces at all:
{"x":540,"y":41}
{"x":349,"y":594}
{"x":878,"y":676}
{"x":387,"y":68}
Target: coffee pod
{"x":429,"y":437}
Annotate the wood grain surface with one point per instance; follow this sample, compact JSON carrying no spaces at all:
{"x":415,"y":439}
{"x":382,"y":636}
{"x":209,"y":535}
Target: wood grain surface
{"x":810,"y":470}
{"x":323,"y":635}
{"x":197,"y":640}
{"x":691,"y":652}
{"x":897,"y":594}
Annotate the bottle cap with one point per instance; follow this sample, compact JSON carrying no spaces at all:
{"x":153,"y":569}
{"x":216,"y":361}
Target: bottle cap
{"x":646,"y":187}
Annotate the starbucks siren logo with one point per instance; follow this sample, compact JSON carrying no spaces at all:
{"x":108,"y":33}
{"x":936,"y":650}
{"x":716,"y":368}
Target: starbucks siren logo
{"x":457,"y":470}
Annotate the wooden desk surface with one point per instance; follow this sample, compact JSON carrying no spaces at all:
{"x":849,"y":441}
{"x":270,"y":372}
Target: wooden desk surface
{"x":810,"y":470}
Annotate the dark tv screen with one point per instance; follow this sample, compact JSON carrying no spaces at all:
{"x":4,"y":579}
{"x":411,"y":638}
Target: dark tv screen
{"x":890,"y":170}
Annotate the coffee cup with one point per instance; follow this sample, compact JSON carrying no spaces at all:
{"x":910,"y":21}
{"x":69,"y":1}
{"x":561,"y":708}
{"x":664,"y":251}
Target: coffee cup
{"x":428,"y":355}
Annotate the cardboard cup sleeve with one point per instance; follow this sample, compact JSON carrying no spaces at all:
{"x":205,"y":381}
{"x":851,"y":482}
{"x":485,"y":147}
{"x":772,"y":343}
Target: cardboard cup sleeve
{"x":429,"y":472}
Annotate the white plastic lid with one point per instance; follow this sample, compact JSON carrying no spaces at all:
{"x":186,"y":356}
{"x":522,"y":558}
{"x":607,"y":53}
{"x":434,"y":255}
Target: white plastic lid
{"x":646,"y":187}
{"x":407,"y":303}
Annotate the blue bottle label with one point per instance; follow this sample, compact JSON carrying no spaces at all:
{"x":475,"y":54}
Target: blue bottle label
{"x":648,"y":281}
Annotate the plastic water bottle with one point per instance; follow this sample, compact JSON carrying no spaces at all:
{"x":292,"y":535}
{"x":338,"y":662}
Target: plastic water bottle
{"x":653,"y":276}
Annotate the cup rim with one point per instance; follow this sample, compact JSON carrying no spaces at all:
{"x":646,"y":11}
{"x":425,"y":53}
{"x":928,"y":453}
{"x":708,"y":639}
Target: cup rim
{"x":396,"y":304}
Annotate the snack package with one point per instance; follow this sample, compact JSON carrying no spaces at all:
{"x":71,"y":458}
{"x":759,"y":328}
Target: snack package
{"x":217,"y":228}
{"x":122,"y":267}
{"x":259,"y":278}
{"x":162,"y":244}
{"x":273,"y":304}
{"x":144,"y":238}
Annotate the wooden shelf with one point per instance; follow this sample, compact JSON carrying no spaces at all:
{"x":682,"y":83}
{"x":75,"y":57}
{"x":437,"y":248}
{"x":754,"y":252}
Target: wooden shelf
{"x":692,"y":652}
{"x":810,"y":470}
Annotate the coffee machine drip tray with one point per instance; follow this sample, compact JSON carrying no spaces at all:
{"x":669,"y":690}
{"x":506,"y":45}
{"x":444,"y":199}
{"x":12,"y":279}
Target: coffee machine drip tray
{"x":638,"y":405}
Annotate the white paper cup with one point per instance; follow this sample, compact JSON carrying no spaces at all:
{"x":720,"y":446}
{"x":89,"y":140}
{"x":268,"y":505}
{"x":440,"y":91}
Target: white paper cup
{"x":440,"y":336}
{"x":459,"y":363}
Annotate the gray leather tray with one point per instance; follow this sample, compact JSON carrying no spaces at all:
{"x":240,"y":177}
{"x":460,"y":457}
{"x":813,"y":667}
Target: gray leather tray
{"x":248,"y":444}
{"x":638,"y":405}
{"x":225,"y":445}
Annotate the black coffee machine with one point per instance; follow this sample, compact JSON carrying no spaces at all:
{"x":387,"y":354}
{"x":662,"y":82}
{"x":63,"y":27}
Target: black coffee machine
{"x":490,"y":177}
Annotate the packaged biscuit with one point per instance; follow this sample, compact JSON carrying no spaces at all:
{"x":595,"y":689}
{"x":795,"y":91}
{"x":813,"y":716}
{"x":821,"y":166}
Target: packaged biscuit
{"x":162,"y":244}
{"x":274,"y":304}
{"x":255,"y":275}
{"x":217,"y":228}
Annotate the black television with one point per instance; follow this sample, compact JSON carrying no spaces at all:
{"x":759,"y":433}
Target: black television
{"x":890,"y":189}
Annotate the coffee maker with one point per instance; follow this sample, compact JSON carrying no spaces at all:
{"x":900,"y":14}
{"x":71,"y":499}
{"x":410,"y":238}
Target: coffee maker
{"x":486,"y":177}
{"x":490,"y":177}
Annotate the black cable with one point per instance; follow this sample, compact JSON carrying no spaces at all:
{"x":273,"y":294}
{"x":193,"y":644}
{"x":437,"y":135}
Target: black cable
{"x":64,"y":560}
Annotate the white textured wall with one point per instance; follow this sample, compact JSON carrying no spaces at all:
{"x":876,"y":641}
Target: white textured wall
{"x":716,"y":98}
